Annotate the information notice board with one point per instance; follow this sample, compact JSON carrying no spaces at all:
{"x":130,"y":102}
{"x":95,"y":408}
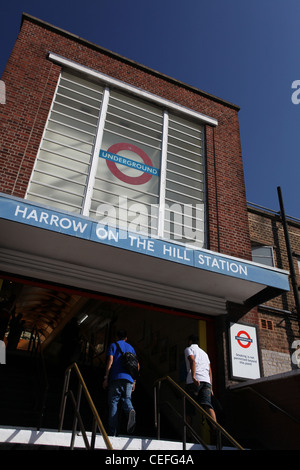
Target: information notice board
{"x":244,"y":352}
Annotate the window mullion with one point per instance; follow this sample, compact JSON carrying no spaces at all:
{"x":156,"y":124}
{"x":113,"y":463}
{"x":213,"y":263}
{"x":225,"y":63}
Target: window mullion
{"x":163,"y":175}
{"x":95,"y":158}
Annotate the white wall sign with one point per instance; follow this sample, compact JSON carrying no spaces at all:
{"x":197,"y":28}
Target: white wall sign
{"x":2,"y":353}
{"x":245,"y":363}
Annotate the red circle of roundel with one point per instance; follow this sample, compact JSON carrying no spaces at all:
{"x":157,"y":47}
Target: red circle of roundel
{"x":136,"y":180}
{"x":240,"y":343}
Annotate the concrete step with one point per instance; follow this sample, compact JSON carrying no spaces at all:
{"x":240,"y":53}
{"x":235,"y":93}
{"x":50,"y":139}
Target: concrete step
{"x":51,"y":438}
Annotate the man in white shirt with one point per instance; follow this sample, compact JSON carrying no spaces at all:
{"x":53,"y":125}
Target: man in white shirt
{"x":199,"y":376}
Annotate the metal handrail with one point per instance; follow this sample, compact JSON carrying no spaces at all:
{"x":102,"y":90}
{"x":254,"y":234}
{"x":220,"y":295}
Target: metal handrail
{"x":219,"y":430}
{"x":271,"y":403}
{"x":97,"y":423}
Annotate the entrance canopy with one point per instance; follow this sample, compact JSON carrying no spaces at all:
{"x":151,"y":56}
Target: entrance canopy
{"x":67,"y":249}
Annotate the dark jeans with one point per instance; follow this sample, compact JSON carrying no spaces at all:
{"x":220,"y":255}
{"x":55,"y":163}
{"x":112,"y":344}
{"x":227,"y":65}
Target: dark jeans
{"x":119,"y":391}
{"x":202,"y":395}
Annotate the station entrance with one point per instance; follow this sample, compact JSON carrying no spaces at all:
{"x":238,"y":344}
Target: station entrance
{"x":77,"y":326}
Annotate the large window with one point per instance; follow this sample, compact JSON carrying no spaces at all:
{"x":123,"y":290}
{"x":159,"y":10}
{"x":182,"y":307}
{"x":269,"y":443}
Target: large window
{"x":128,"y":170}
{"x":63,"y":165}
{"x":123,"y":159}
{"x":184,"y":197}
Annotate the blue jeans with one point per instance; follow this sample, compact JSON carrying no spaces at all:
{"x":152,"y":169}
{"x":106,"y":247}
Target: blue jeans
{"x":118,"y":391}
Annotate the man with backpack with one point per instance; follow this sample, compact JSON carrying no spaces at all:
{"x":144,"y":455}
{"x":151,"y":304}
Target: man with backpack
{"x":120,"y":382}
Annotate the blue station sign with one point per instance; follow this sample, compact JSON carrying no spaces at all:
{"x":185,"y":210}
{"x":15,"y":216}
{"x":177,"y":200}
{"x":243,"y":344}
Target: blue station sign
{"x":25,"y":212}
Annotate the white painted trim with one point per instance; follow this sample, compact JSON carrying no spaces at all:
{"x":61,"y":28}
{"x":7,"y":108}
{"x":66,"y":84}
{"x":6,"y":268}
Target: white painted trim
{"x":95,"y":158}
{"x":163,"y":176}
{"x":131,"y":89}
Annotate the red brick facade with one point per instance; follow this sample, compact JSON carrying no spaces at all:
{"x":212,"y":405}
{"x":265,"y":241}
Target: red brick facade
{"x":31,"y":79}
{"x":277,"y":319}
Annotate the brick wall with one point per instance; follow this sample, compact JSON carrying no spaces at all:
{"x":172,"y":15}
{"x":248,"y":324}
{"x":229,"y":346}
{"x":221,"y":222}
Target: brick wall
{"x":31,"y":79}
{"x":278,"y":329}
{"x":266,"y":229}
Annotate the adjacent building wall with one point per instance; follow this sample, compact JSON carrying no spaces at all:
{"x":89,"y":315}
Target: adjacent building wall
{"x":278,"y":321}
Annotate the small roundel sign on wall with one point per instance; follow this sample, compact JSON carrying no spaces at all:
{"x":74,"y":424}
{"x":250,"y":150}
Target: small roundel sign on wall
{"x":244,"y":351}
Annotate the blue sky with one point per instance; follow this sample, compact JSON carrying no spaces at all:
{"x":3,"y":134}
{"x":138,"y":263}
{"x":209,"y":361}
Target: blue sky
{"x":246,"y":52}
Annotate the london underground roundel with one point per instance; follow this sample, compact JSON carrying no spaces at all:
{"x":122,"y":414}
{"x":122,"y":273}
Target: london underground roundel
{"x":134,"y":180}
{"x":243,"y":339}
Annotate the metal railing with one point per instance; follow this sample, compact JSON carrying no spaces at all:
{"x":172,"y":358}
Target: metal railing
{"x":270,"y":403}
{"x":220,"y":432}
{"x":77,"y":419}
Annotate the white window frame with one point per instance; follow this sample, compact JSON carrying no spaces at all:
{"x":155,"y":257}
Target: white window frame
{"x":271,"y":252}
{"x":93,"y":171}
{"x":168,"y":106}
{"x":109,"y":81}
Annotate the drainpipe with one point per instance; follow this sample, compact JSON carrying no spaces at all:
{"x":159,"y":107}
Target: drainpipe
{"x":289,"y":252}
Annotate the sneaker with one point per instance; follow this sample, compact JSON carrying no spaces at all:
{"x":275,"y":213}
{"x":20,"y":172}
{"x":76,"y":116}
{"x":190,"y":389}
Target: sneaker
{"x":131,"y":421}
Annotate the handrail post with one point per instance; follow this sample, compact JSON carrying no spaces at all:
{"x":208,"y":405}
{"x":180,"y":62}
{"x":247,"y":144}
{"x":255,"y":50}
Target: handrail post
{"x":155,"y":406}
{"x":157,"y":409}
{"x":78,"y":400}
{"x":94,"y":430}
{"x":97,"y":423}
{"x":219,"y":430}
{"x":184,"y":423}
{"x":219,"y":439}
{"x":64,"y":399}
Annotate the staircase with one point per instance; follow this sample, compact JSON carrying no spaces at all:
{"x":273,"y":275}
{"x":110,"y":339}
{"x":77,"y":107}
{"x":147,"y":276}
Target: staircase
{"x":21,"y":426}
{"x":13,"y":438}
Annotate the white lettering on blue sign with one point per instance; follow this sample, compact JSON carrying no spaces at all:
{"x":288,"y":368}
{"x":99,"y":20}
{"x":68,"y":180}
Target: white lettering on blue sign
{"x":54,"y":220}
{"x":176,"y":252}
{"x":107,"y":234}
{"x":42,"y":217}
{"x":140,"y":244}
{"x":222,"y":265}
{"x":128,"y":162}
{"x":144,"y":243}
